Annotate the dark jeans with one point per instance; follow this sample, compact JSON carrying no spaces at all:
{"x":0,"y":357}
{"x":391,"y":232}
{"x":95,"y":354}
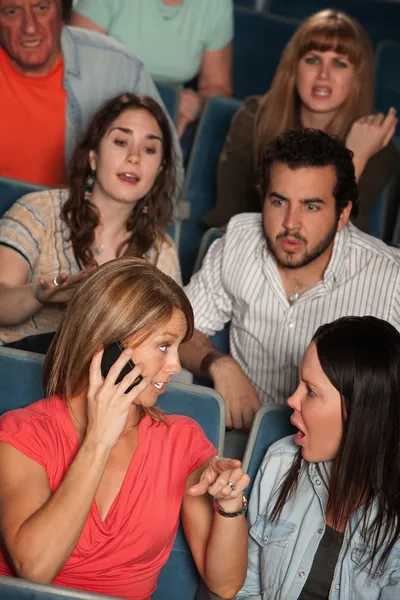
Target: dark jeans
{"x":34,"y":343}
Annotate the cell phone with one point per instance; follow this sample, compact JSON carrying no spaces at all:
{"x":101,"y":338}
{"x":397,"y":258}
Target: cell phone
{"x":110,"y":356}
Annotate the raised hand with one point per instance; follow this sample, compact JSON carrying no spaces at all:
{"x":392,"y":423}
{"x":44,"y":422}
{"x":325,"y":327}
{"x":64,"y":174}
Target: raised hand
{"x":223,"y":479}
{"x":108,"y":404}
{"x":61,"y":289}
{"x":370,"y":134}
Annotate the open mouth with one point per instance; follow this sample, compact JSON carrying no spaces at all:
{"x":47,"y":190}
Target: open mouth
{"x":130,"y":178}
{"x":159,"y":386}
{"x":300,"y":435}
{"x":321,"y":91}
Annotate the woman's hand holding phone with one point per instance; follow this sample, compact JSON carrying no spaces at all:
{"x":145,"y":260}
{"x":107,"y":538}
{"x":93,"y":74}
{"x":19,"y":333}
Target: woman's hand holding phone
{"x":108,"y":402}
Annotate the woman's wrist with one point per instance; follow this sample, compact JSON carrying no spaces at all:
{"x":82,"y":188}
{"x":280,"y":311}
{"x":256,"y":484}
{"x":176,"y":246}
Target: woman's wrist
{"x":232,"y":507}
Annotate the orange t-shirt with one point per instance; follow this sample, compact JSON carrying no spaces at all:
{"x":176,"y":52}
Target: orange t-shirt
{"x":122,"y":555}
{"x":32,"y":125}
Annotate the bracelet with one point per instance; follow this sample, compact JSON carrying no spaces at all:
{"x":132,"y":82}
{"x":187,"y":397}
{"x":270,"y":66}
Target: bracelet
{"x":209,"y":358}
{"x":230,"y":515}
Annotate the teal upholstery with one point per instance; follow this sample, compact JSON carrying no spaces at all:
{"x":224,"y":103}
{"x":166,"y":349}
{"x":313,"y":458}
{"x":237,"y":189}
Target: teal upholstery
{"x":385,"y":212}
{"x":257,"y":48}
{"x":21,"y":384}
{"x":12,"y":588}
{"x":221,"y":338}
{"x":271,"y":423}
{"x":380,"y":19}
{"x":12,"y":189}
{"x":387,"y":80}
{"x":170,"y":94}
{"x":200,"y":185}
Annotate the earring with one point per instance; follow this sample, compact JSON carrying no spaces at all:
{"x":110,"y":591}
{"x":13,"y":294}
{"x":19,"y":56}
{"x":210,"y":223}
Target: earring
{"x":89,"y":185}
{"x":145,"y":209}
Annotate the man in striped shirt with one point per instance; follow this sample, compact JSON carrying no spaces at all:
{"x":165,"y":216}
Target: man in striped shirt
{"x":278,"y":276}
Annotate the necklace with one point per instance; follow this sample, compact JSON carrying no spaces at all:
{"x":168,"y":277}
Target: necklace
{"x":293,"y":297}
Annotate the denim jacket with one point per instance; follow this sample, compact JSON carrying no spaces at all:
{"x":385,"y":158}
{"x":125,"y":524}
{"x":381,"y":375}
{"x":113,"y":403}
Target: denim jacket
{"x":281,"y":553}
{"x":96,"y":68}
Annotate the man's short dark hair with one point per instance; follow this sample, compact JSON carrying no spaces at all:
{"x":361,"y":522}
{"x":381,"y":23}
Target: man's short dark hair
{"x":314,"y":148}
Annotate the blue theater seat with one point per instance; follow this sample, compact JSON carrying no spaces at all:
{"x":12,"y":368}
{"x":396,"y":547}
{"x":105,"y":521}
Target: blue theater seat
{"x":21,"y":384}
{"x":12,"y":588}
{"x":387,"y":80}
{"x":257,"y":48}
{"x":271,"y":423}
{"x":200,"y":185}
{"x":380,"y":19}
{"x":170,"y":94}
{"x":12,"y":189}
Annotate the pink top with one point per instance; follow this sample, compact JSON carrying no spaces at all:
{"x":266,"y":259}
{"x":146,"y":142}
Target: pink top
{"x":122,"y":555}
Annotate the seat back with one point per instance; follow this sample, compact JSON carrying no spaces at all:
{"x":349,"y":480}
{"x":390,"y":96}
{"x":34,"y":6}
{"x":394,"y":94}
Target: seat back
{"x":258,"y":44}
{"x":170,"y":95}
{"x":21,"y":385}
{"x":387,"y":83}
{"x":380,"y":19}
{"x":12,"y":189}
{"x":385,"y":212}
{"x":12,"y":588}
{"x":271,"y":423}
{"x":200,"y":185}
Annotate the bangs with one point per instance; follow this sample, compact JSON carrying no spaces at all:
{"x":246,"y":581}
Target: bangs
{"x":335,"y":38}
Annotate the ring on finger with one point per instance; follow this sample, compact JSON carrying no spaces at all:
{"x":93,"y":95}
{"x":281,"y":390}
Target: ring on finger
{"x":232,"y":486}
{"x":56,"y":281}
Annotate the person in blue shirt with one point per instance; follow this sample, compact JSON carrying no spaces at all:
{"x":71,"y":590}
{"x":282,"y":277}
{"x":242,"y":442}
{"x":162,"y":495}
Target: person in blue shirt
{"x":324,"y":513}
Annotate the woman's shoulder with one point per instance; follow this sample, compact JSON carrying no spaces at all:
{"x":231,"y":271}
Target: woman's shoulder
{"x":280,"y":455}
{"x":183,"y":431}
{"x":32,"y":415}
{"x":39,"y":204}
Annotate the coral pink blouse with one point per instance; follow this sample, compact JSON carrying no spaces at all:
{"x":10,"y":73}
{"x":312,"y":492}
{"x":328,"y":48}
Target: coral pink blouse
{"x":124,"y":554}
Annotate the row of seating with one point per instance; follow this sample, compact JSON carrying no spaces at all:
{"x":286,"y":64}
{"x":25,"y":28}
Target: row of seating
{"x":380,"y":18}
{"x":21,"y":385}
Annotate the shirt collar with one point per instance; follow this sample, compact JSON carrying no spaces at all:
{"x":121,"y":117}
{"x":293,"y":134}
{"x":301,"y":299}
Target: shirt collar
{"x":69,"y":52}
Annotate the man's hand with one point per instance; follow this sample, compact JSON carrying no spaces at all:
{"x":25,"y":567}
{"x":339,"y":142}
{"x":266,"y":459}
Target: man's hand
{"x":240,"y":397}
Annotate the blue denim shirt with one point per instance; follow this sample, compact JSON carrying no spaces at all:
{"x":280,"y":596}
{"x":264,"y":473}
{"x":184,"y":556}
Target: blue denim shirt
{"x":281,"y":553}
{"x":96,"y":68}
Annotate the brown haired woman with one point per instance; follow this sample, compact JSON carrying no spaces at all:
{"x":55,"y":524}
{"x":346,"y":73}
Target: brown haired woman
{"x":119,"y":203}
{"x":325,"y":81}
{"x":107,"y":473}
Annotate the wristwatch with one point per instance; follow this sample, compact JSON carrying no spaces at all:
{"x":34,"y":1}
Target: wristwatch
{"x":230,"y":515}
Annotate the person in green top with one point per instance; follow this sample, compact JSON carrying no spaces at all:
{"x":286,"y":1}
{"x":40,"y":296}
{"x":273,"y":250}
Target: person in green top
{"x":176,"y":39}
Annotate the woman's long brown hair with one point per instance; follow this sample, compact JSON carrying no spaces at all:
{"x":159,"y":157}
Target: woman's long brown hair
{"x":326,"y":30}
{"x":82,"y":218}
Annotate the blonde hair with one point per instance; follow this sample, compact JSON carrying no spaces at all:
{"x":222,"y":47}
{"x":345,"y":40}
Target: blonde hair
{"x":323,"y":31}
{"x":123,"y":298}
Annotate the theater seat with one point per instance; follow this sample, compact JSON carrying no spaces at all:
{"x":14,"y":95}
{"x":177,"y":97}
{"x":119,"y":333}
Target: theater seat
{"x":170,"y":94}
{"x":387,"y":81}
{"x":12,"y":189}
{"x":200,"y":185}
{"x":12,"y":588}
{"x":271,"y":423}
{"x":21,"y":384}
{"x":257,"y":48}
{"x":380,"y":19}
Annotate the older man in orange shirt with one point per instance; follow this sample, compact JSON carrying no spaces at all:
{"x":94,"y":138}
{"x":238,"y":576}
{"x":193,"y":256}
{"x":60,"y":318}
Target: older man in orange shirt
{"x":52,"y":79}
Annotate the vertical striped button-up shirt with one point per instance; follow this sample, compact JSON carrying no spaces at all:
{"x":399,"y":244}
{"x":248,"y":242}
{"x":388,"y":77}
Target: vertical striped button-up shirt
{"x":239,"y":282}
